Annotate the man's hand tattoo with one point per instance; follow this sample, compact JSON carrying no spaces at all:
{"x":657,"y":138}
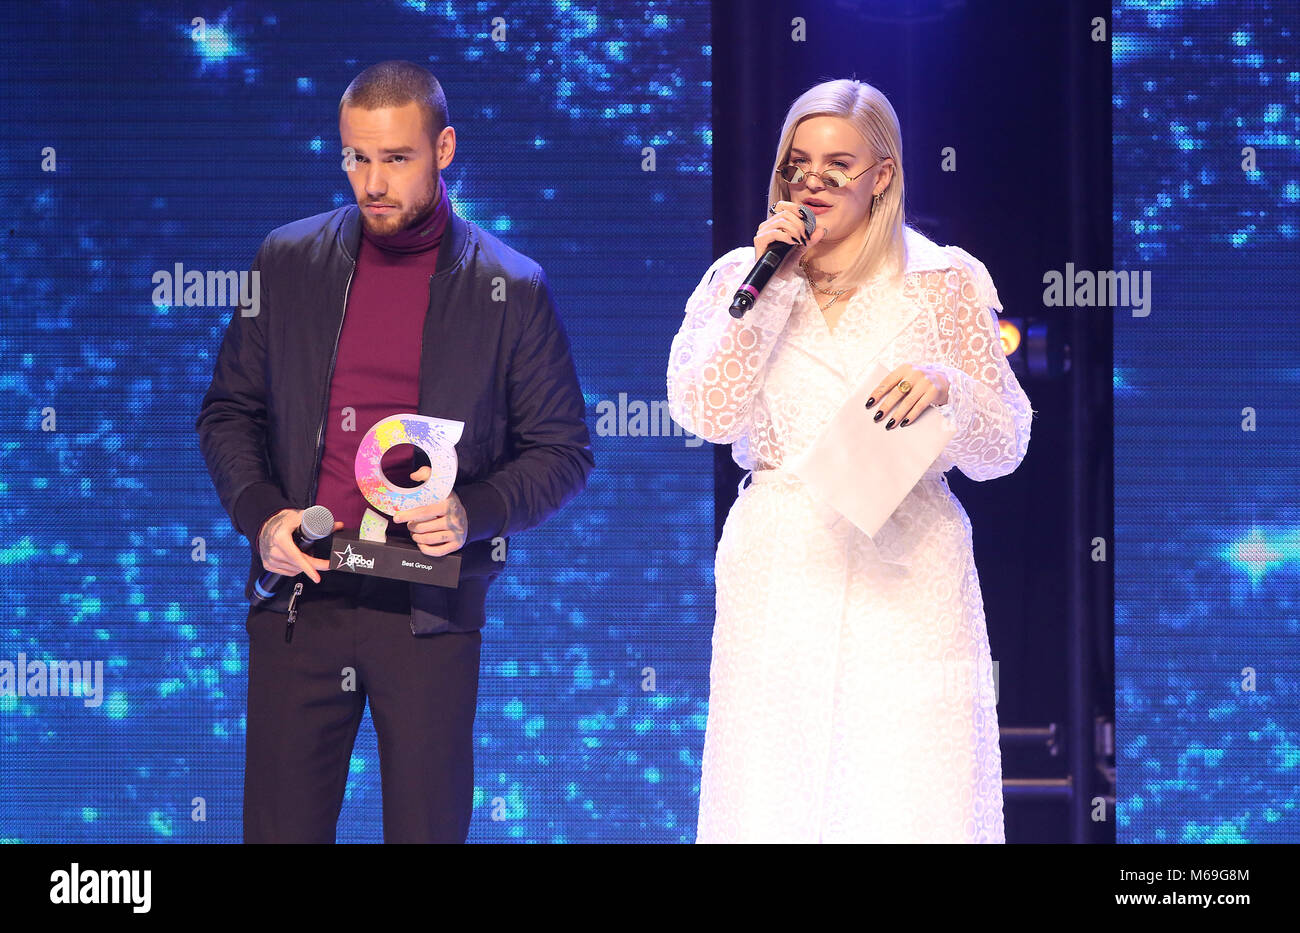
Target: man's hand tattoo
{"x":457,"y":520}
{"x":269,"y":531}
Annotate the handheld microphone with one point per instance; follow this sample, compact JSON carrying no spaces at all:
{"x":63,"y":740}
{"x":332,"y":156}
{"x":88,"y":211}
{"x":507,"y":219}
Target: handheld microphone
{"x":317,"y":523}
{"x":747,"y":294}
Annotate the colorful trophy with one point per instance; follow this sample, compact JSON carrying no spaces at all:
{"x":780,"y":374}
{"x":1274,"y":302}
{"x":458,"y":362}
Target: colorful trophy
{"x":368,"y":550}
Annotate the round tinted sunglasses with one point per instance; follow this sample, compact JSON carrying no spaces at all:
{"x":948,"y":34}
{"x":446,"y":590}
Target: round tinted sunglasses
{"x":832,"y":179}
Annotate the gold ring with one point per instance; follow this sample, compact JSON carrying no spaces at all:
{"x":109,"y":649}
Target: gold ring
{"x":905,"y":387}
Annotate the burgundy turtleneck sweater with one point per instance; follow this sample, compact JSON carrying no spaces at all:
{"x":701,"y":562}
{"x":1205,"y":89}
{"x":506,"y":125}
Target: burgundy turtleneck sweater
{"x":377,"y":370}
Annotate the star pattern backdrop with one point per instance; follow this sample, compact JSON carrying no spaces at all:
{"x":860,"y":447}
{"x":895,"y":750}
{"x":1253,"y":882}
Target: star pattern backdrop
{"x":584,"y":142}
{"x":1207,"y":431}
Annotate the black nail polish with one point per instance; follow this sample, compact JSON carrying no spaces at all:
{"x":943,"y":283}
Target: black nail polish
{"x":880,"y":414}
{"x":889,"y":424}
{"x":871,"y":401}
{"x":903,"y":423}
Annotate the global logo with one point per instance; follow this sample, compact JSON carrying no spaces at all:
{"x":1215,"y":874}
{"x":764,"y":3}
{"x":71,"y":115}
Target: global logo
{"x":350,"y":560}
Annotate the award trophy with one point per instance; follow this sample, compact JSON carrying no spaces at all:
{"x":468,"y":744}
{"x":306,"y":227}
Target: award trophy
{"x":368,"y":550}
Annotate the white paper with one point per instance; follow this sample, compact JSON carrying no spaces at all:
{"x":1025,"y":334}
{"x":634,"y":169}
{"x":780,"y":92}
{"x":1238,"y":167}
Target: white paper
{"x":863,"y":471}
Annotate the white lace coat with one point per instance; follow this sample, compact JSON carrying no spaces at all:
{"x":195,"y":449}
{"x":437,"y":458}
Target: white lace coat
{"x":851,"y":688}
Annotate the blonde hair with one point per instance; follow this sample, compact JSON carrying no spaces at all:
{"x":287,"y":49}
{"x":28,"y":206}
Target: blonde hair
{"x":871,"y":114}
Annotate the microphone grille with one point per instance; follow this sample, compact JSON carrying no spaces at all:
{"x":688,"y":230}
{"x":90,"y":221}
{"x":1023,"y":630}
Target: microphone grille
{"x":317,"y":522}
{"x":809,"y":220}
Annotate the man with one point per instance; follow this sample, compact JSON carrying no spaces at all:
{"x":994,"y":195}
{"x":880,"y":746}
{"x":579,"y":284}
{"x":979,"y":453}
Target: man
{"x":393,"y":305}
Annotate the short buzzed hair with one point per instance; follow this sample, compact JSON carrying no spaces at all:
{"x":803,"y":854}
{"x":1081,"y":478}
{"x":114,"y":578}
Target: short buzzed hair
{"x":396,"y":84}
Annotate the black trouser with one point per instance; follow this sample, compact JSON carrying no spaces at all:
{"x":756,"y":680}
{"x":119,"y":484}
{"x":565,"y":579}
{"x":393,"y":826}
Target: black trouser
{"x":303,"y":718}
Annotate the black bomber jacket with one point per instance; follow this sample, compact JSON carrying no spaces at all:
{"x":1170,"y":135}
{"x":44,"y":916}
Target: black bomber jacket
{"x":496,"y":356}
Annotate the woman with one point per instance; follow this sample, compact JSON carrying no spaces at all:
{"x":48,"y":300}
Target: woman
{"x":851,"y":682}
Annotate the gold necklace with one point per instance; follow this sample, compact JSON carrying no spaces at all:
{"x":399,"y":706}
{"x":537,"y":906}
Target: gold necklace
{"x":836,"y":293}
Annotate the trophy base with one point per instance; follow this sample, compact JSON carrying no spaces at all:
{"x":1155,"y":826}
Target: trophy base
{"x":394,"y":560}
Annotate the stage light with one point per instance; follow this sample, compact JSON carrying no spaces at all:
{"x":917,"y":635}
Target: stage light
{"x":1010,"y":336}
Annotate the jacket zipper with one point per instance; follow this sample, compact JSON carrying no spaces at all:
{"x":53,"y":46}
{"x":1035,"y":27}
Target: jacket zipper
{"x":293,"y":612}
{"x":329,"y":377}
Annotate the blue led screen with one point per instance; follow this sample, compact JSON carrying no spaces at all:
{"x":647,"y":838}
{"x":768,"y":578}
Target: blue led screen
{"x":138,"y":138}
{"x":1207,"y":429}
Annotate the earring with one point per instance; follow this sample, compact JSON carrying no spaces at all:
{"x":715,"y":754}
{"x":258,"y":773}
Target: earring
{"x":876,"y":200}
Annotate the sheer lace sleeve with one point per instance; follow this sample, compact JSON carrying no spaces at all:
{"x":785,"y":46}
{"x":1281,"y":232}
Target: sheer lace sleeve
{"x":989,"y":408}
{"x":715,"y":366}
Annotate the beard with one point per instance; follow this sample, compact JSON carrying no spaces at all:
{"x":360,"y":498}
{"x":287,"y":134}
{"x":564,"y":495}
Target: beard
{"x":401,"y":220}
